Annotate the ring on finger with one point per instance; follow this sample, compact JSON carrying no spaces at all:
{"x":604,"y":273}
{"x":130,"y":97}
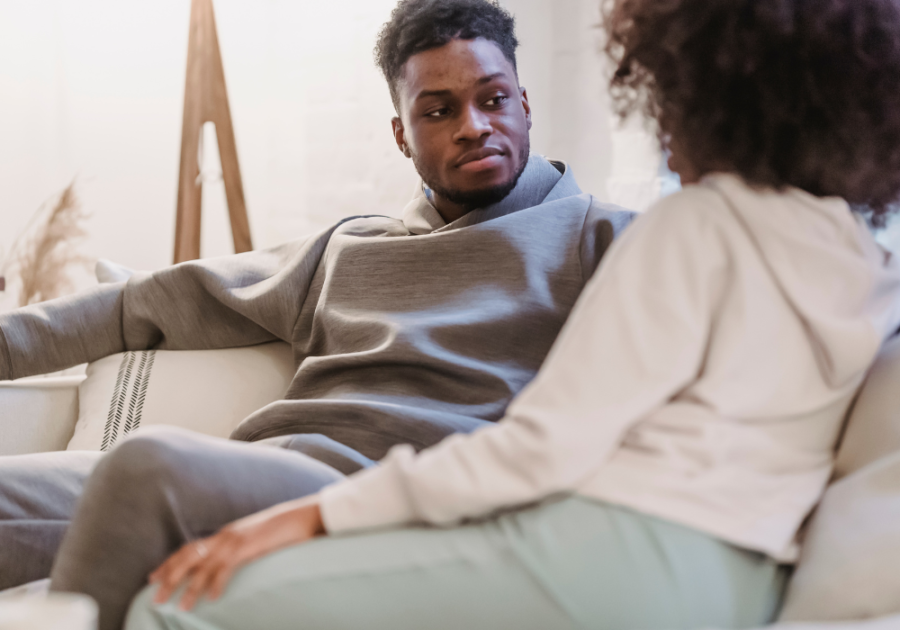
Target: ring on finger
{"x":201,"y":549}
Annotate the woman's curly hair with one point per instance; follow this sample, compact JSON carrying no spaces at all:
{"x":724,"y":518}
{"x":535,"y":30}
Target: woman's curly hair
{"x":801,"y":93}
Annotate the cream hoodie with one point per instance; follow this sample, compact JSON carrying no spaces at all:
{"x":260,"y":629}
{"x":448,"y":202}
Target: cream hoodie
{"x":703,"y":378}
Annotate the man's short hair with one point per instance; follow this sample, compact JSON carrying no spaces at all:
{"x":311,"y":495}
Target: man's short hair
{"x":419,"y":25}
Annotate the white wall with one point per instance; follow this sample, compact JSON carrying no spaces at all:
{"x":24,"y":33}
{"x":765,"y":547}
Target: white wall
{"x":561,"y":61}
{"x":560,"y":65}
{"x":94,"y":89}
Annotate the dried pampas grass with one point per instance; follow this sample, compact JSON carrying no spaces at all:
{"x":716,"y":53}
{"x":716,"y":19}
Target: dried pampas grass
{"x":42,"y":260}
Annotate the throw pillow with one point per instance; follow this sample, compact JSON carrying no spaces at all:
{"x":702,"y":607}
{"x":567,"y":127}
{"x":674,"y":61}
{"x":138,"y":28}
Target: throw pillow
{"x":209,"y":391}
{"x":848,"y":564}
{"x":108,"y":271}
{"x":873,"y":427}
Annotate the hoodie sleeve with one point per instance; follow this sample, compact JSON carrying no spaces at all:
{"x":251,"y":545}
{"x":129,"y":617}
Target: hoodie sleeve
{"x":636,"y":337}
{"x":231,"y":301}
{"x":603,"y":224}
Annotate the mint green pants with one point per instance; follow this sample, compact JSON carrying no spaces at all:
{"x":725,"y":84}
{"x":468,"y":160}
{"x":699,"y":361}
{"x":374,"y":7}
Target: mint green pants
{"x":565,"y":563}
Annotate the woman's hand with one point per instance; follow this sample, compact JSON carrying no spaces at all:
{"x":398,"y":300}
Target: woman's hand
{"x":209,"y":563}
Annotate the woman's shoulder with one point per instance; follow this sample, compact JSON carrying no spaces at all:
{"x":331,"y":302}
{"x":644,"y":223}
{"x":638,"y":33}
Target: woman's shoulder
{"x":724,"y":203}
{"x":691,"y":212}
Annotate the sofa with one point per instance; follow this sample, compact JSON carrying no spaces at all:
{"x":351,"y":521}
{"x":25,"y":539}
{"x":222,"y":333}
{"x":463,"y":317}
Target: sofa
{"x":848,"y":576}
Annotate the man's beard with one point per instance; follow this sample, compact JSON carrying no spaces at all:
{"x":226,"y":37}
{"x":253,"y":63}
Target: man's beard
{"x":473,"y":199}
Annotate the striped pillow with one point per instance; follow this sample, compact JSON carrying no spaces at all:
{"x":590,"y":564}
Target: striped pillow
{"x":209,"y":391}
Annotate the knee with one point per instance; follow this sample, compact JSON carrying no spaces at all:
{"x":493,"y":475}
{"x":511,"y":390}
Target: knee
{"x":150,"y":454}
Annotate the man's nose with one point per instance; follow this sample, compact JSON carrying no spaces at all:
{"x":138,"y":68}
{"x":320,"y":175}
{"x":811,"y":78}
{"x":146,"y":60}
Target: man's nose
{"x":474,"y":124}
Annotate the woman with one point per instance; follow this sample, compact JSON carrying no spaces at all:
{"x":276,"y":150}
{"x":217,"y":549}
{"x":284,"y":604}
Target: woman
{"x":656,"y":472}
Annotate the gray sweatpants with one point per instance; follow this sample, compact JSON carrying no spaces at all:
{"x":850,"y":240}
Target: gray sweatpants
{"x":141,"y":502}
{"x":38,"y":494}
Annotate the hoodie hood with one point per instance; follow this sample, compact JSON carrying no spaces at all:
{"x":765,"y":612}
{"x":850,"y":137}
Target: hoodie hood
{"x":542,"y":181}
{"x":800,"y":236}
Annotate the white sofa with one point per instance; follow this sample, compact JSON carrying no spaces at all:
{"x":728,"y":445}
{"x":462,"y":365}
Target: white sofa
{"x":39,"y":415}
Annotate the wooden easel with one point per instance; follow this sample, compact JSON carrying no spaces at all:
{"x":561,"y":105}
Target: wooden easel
{"x":206,"y":100}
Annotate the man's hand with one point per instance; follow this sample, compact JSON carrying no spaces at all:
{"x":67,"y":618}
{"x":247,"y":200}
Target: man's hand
{"x":208,"y":564}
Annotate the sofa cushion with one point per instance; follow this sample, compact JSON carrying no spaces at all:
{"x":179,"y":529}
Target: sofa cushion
{"x":849,"y":562}
{"x":209,"y":391}
{"x":37,"y":414}
{"x":873,"y":427}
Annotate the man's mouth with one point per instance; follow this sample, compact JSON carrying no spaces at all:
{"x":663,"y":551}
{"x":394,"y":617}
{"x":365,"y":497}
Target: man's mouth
{"x":480,"y":160}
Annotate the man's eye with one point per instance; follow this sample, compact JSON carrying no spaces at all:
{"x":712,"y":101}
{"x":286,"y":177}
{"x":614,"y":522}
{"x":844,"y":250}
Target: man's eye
{"x":497,"y":101}
{"x":438,"y":113}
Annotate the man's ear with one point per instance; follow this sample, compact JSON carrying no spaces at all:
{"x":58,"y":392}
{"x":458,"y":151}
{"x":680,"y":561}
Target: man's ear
{"x":523,"y":94}
{"x":400,"y":136}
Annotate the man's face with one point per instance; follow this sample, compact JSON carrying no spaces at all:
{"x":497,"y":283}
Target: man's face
{"x":464,"y":121}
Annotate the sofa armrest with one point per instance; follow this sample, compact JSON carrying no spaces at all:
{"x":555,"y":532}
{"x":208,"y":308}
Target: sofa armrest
{"x":38,"y":415}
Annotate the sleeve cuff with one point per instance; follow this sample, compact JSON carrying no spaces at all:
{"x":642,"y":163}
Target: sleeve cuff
{"x":375,"y":497}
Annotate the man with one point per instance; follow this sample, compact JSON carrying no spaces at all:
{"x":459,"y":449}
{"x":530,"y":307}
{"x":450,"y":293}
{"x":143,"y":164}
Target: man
{"x":405,"y":331}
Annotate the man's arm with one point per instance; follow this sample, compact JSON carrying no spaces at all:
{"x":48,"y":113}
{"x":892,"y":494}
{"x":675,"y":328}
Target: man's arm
{"x":230,"y":301}
{"x":603,"y":224}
